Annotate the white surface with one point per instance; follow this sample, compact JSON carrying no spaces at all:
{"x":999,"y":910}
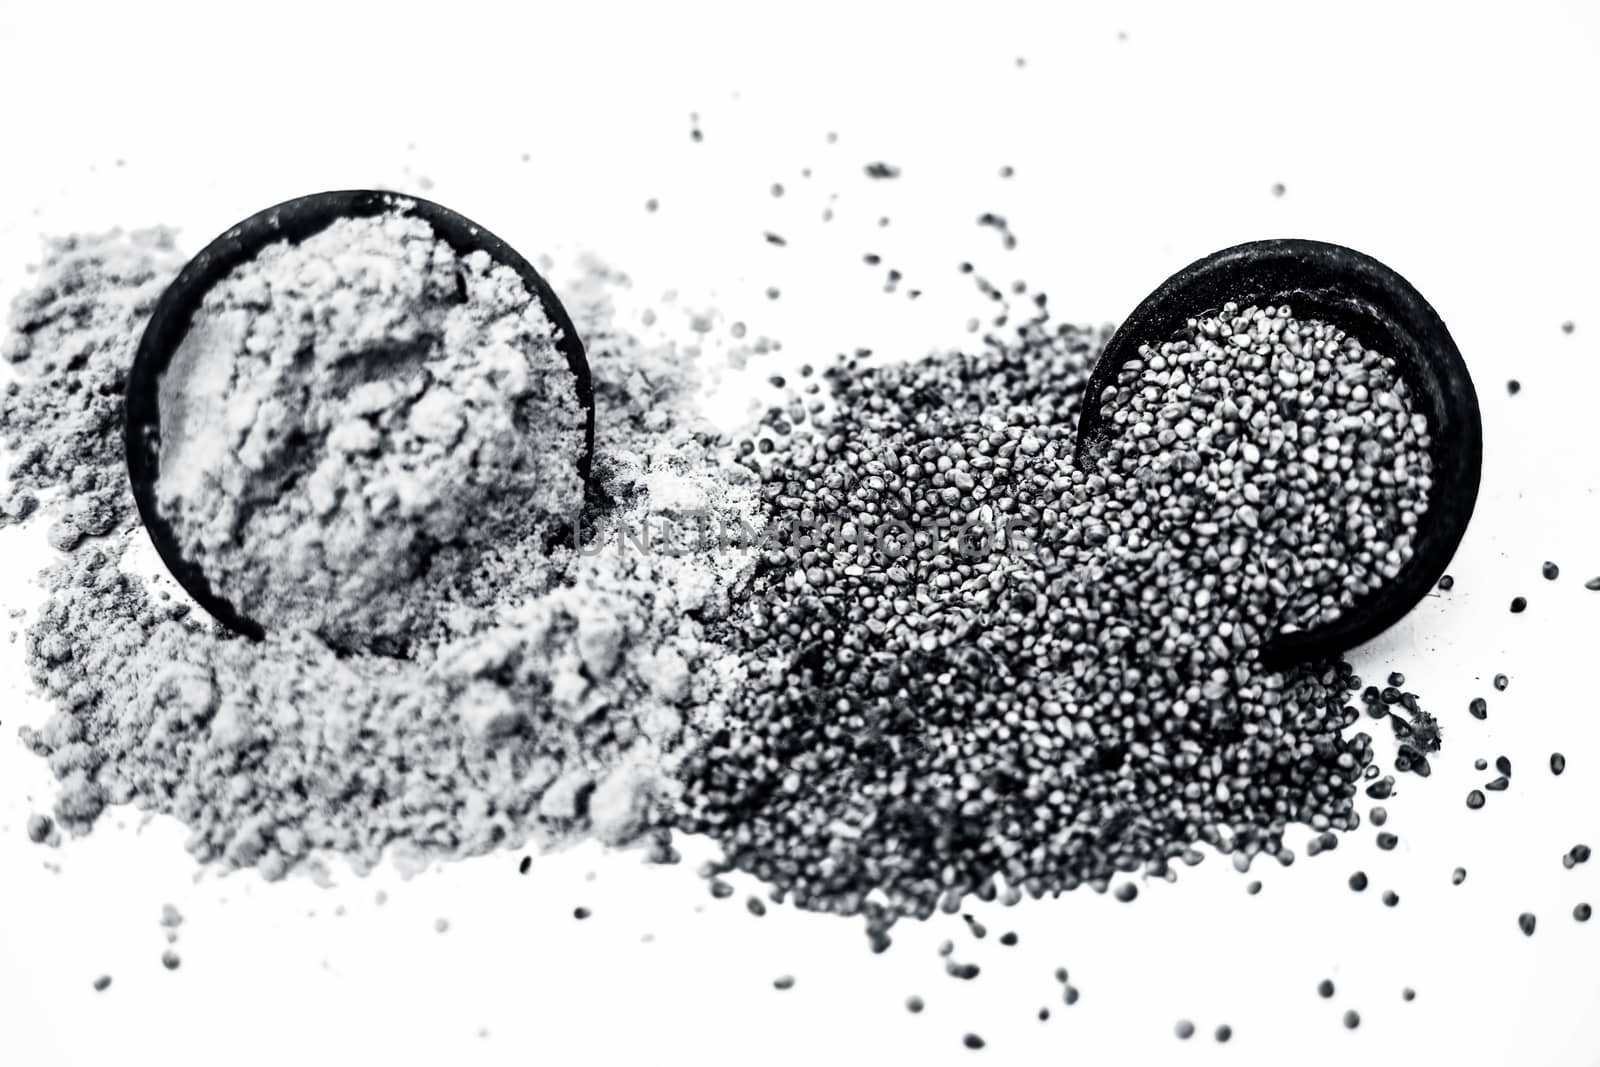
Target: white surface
{"x":1458,"y":145}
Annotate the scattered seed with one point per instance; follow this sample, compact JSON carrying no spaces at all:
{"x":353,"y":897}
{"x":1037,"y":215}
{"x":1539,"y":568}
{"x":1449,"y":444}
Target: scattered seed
{"x":1527,"y":922}
{"x":1184,"y":1029}
{"x":1387,"y":841}
{"x":756,"y":906}
{"x":1358,"y":881}
{"x":1458,"y":876}
{"x":103,"y":983}
{"x":1408,"y":994}
{"x":1224,"y":1034}
{"x":1593,"y":585}
{"x":1582,"y":913}
{"x":1479,"y":708}
{"x":581,"y":913}
{"x":1551,"y":571}
{"x":1352,"y":1019}
{"x":1480,"y":764}
{"x":1126,"y":892}
{"x":1278,"y":189}
{"x":1447,"y":583}
{"x":526,"y":865}
{"x":1044,"y":1014}
{"x":1253,"y":888}
{"x":1498,"y":785}
{"x":1519,"y":605}
{"x":1501,"y":681}
{"x":1475,"y":799}
{"x":972,"y":1041}
{"x":783,"y":981}
{"x":1513,"y":387}
{"x":170,"y":960}
{"x":1503,"y":765}
{"x":1558,"y":763}
{"x":1390,"y":898}
{"x":1325,"y":988}
{"x":1009,"y":938}
{"x":914,"y":1005}
{"x":1379,"y":815}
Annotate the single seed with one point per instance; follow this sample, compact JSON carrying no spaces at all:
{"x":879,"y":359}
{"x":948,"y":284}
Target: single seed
{"x":1390,"y":898}
{"x":1558,"y":763}
{"x":1551,"y":571}
{"x":526,"y":865}
{"x":1458,"y":876}
{"x":1447,"y":583}
{"x":914,"y":1005}
{"x":103,"y":983}
{"x":1498,"y":785}
{"x":1479,"y":708}
{"x":1184,"y":1029}
{"x":1358,"y":881}
{"x":1379,"y":815}
{"x":1501,"y":681}
{"x":1527,"y":922}
{"x":1126,"y":892}
{"x":1408,"y":994}
{"x":1387,"y":841}
{"x":1593,"y":585}
{"x":1503,"y":765}
{"x":972,"y":1041}
{"x":1009,"y":938}
{"x":1582,"y":913}
{"x":170,"y":960}
{"x":783,"y":981}
{"x":1224,"y":1034}
{"x":1325,"y":988}
{"x":1396,"y":678}
{"x":1253,"y":888}
{"x":580,"y":913}
{"x":1044,"y":1014}
{"x":1480,"y":764}
{"x":1519,"y":605}
{"x":1475,"y":799}
{"x":1352,"y":1019}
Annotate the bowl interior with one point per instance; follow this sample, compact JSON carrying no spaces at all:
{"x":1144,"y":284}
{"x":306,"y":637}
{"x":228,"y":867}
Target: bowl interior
{"x":294,"y":221}
{"x":1368,"y":300}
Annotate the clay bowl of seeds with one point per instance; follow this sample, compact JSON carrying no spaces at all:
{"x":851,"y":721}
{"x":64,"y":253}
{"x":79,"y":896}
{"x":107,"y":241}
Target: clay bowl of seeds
{"x":1369,"y":301}
{"x":292,"y":223}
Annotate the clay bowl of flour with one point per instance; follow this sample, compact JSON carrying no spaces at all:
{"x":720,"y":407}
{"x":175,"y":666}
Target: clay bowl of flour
{"x":346,"y":400}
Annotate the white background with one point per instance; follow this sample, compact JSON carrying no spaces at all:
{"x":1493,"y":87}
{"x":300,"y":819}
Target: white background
{"x":1456,"y":142}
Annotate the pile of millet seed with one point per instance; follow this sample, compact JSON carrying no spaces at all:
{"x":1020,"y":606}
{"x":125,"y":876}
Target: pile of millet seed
{"x":973,"y":661}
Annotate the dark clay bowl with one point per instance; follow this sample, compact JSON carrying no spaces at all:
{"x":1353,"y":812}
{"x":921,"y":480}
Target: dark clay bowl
{"x":292,"y":220}
{"x":1368,"y":300}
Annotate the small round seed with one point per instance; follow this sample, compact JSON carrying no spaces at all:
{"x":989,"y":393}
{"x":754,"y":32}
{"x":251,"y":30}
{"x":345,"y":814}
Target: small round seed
{"x":1551,"y":571}
{"x":914,"y":1005}
{"x":1479,"y":708}
{"x":783,"y":981}
{"x":1501,"y":681}
{"x":1387,"y":841}
{"x":1184,"y":1029}
{"x":1458,"y":876}
{"x":1352,"y":1019}
{"x":1582,"y":913}
{"x":1325,"y":988}
{"x":1358,"y":881}
{"x":1527,"y":922}
{"x":1558,"y":763}
{"x":1408,"y":994}
{"x":1379,"y":815}
{"x":1519,"y":605}
{"x":1224,"y":1034}
{"x":1390,"y":898}
{"x":973,"y":1041}
{"x":1475,"y":799}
